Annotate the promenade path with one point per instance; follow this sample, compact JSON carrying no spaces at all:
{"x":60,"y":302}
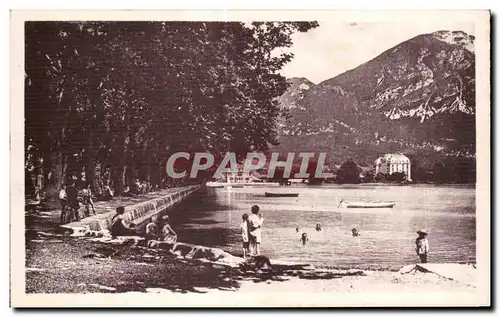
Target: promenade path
{"x":46,"y":215}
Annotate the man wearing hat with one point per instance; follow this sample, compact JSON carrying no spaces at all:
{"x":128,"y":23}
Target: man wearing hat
{"x":422,"y":245}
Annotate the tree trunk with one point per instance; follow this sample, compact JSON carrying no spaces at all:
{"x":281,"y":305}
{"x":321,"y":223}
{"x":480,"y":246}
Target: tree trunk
{"x":118,"y":171}
{"x":89,"y":161}
{"x":125,"y":176}
{"x":89,"y":171}
{"x":119,"y":165}
{"x":58,"y":176}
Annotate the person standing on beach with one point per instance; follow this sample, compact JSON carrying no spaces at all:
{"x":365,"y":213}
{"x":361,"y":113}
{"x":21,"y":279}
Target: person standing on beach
{"x":422,"y":245}
{"x":255,"y":221}
{"x":244,"y":236}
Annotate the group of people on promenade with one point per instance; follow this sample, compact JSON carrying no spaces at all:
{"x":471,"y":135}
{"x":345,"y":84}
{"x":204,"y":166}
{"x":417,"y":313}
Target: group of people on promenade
{"x":139,"y":188}
{"x":70,"y":197}
{"x":70,"y":203}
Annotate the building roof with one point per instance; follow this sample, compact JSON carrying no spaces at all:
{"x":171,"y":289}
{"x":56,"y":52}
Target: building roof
{"x":393,"y":158}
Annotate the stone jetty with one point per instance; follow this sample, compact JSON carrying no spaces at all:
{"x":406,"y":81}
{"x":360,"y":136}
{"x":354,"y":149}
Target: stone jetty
{"x":137,"y":212}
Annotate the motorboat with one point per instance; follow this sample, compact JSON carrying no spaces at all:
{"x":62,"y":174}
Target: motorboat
{"x":367,"y":204}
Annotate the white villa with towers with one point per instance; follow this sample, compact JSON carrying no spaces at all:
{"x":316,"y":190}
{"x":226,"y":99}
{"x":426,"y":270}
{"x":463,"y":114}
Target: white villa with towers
{"x":392,"y":163}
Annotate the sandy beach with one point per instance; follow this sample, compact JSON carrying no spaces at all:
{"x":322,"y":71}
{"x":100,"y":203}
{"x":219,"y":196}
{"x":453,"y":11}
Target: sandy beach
{"x":60,"y":264}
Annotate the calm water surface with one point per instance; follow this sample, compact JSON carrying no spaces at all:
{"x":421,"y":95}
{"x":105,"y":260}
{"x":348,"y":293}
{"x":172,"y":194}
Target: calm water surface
{"x":212,"y":217}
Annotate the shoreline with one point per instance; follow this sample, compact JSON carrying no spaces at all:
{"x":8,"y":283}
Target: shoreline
{"x":59,"y":263}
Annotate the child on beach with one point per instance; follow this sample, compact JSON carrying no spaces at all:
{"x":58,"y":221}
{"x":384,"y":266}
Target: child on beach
{"x":168,"y":234}
{"x":244,"y":236}
{"x":255,"y":221}
{"x":304,"y":238}
{"x":422,"y":245}
{"x":153,"y":229}
{"x":318,"y":227}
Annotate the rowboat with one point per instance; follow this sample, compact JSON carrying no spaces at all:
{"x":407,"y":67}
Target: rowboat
{"x":215,"y":185}
{"x":235,"y":185}
{"x":368,"y":204}
{"x":282,"y":194}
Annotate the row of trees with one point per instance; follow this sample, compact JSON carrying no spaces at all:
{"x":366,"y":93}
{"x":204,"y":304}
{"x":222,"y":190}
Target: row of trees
{"x":457,"y":171}
{"x":111,"y":101}
{"x":452,"y":171}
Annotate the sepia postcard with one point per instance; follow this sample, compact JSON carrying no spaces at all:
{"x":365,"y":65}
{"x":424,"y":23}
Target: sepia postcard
{"x":250,"y":158}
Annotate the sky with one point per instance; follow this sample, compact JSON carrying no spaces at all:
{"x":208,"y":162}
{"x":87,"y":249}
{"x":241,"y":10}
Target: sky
{"x":334,"y":48}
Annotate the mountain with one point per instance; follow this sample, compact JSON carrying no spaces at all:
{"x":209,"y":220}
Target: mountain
{"x":291,"y":98}
{"x":417,"y":98}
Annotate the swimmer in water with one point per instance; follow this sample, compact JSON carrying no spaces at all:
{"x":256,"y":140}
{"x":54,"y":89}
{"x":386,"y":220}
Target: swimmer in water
{"x":355,"y":232}
{"x":318,"y":227}
{"x":304,"y":238}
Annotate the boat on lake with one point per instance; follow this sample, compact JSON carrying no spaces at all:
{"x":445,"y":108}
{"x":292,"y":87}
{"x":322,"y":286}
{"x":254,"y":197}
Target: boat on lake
{"x":235,"y":185}
{"x":281,"y":194}
{"x":367,"y":204}
{"x":214,"y":185}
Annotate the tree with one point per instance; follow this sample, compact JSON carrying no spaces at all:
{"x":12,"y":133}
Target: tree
{"x":348,"y":173}
{"x":440,"y":173}
{"x":116,"y":99}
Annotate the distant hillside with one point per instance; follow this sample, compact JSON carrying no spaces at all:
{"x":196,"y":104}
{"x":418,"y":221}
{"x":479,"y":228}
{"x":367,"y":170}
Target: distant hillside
{"x":291,"y":98}
{"x":417,"y":97}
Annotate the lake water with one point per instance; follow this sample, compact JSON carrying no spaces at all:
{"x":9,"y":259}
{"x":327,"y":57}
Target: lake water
{"x":212,"y":217}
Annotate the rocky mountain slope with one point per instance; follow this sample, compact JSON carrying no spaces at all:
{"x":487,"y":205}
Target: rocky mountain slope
{"x":417,"y":97}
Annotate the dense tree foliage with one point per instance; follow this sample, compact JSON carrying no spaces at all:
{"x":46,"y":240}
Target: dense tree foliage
{"x":348,"y":173}
{"x":110,"y":101}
